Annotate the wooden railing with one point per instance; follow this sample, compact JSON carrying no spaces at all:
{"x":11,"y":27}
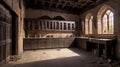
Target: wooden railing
{"x":49,"y":25}
{"x":44,"y":28}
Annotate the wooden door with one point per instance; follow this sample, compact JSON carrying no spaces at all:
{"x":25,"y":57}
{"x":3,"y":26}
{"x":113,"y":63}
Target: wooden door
{"x":5,"y":36}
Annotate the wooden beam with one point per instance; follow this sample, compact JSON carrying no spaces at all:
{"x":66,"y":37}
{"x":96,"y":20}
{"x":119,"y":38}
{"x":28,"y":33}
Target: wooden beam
{"x":51,"y":2}
{"x":27,"y":1}
{"x":85,"y":3}
{"x":98,"y":1}
{"x":36,"y":2}
{"x":64,"y":4}
{"x":43,"y":3}
{"x":58,"y":3}
{"x":76,"y":4}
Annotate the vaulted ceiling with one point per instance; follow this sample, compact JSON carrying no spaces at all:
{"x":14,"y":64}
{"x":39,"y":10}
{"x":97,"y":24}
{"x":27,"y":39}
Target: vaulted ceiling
{"x":69,"y":6}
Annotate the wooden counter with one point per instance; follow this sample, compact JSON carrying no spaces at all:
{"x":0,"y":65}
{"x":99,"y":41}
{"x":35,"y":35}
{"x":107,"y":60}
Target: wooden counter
{"x":42,"y":43}
{"x":99,"y":46}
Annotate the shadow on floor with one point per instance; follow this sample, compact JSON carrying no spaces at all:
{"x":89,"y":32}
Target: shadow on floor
{"x":61,"y":62}
{"x":82,"y":60}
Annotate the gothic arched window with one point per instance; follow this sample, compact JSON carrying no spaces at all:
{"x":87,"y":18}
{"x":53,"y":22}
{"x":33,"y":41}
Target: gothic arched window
{"x":105,"y":21}
{"x":88,"y":24}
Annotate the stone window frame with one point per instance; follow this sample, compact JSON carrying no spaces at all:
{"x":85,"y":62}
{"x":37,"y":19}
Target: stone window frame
{"x":101,"y":17}
{"x":89,"y":24}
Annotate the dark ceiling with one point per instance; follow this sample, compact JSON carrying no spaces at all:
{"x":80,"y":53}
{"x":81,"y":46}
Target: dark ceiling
{"x":69,"y":6}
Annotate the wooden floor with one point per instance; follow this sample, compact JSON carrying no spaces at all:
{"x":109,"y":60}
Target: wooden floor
{"x":64,"y":57}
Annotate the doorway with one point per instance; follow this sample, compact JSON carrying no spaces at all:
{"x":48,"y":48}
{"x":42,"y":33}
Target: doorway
{"x":14,"y":34}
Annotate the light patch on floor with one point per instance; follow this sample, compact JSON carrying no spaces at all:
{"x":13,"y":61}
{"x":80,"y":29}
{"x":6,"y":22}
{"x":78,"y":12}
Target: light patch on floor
{"x":47,"y":54}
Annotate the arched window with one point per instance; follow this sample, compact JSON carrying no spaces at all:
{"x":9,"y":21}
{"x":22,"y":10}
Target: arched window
{"x":105,"y":21}
{"x":88,"y":24}
{"x":105,"y":28}
{"x":111,"y":23}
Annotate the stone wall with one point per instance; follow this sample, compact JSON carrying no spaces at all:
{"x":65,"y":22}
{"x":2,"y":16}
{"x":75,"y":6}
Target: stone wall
{"x":113,"y":4}
{"x":17,"y":6}
{"x":36,"y":13}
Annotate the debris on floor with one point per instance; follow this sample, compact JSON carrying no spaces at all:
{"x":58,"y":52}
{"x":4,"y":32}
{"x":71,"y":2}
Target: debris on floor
{"x":15,"y":58}
{"x":59,"y":58}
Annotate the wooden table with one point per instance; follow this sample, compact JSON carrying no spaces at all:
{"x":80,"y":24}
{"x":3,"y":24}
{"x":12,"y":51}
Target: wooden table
{"x":104,"y":47}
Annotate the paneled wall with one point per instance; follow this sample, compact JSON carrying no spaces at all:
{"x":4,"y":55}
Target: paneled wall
{"x":40,"y":43}
{"x":48,"y":34}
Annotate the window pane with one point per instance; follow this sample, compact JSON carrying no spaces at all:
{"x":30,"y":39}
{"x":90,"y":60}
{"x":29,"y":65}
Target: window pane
{"x":99,"y":26}
{"x":90,"y":25}
{"x":105,"y":30}
{"x":108,"y":12}
{"x":83,"y":26}
{"x":86,"y":26}
{"x":106,"y":24}
{"x":111,"y":24}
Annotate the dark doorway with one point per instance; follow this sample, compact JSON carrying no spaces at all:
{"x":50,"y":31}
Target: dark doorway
{"x":14,"y":34}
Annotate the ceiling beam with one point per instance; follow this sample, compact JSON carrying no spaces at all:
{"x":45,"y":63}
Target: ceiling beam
{"x":58,"y":3}
{"x":98,"y":1}
{"x":27,"y":0}
{"x":75,"y":4}
{"x":64,"y":4}
{"x":36,"y":2}
{"x":43,"y":3}
{"x":85,"y":3}
{"x":51,"y":2}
